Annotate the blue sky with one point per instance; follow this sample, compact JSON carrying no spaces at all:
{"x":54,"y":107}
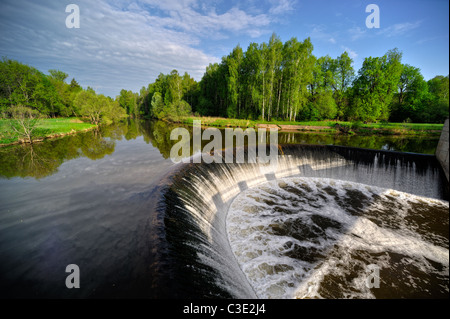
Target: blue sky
{"x":126,"y":44}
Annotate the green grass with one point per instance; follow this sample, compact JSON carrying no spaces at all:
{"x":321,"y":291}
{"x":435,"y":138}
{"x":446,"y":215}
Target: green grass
{"x":301,"y":123}
{"x":327,"y":126}
{"x":410,"y":126}
{"x":46,"y":128}
{"x":219,"y":121}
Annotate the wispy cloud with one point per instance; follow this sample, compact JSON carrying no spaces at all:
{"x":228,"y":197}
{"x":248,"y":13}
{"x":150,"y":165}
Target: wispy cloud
{"x":432,"y":39}
{"x":319,"y":32}
{"x":281,"y":6}
{"x":199,"y":18}
{"x":352,"y":54}
{"x":122,"y":44}
{"x":399,"y":29}
{"x":356,"y":33}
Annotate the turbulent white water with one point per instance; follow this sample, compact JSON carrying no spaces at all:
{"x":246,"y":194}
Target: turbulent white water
{"x":305,"y":237}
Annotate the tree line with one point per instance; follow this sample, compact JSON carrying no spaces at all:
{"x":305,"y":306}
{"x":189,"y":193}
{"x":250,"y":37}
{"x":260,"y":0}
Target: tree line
{"x":285,"y":81}
{"x":27,"y":92}
{"x":268,"y":81}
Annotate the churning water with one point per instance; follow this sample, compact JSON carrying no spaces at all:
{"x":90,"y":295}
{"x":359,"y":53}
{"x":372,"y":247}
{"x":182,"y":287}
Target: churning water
{"x":311,"y":227}
{"x":316,"y":237}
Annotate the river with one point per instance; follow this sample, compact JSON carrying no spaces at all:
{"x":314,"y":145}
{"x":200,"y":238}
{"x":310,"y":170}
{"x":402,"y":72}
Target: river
{"x":89,"y":199}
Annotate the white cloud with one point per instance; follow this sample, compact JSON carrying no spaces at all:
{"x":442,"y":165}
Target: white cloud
{"x":399,"y":29}
{"x":431,"y":39}
{"x":281,"y":6}
{"x":121,"y":44}
{"x":352,"y":54}
{"x":356,"y":33}
{"x":318,"y":32}
{"x":186,"y":16}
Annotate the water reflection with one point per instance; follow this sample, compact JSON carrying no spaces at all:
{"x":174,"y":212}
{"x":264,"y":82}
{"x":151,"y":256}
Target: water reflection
{"x":43,"y":159}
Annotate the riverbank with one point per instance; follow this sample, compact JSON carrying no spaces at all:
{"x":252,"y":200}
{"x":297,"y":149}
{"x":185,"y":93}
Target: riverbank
{"x":338,"y":127}
{"x":46,"y":129}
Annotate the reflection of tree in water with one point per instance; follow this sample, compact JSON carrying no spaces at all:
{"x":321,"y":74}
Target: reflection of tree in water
{"x":133,"y":130}
{"x":158,"y":133}
{"x":422,"y":144}
{"x":115,"y":131}
{"x":27,"y":160}
{"x":95,"y":147}
{"x":43,"y":159}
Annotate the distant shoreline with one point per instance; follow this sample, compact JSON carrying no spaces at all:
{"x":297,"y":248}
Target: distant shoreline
{"x":337,"y":127}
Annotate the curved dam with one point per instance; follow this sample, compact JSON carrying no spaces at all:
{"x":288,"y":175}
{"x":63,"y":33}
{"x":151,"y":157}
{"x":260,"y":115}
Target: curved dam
{"x":310,"y":228}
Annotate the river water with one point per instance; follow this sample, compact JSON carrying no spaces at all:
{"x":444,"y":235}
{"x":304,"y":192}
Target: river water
{"x":92,"y":200}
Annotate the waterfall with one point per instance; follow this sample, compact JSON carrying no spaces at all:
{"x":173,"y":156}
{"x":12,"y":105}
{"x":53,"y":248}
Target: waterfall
{"x":195,"y":259}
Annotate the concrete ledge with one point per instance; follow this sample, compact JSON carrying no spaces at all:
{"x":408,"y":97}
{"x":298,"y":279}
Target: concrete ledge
{"x":442,"y":150}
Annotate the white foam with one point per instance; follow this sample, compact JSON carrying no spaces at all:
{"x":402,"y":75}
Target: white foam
{"x":274,"y":272}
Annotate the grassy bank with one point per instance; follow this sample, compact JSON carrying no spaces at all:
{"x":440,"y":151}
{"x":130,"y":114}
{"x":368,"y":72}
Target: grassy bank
{"x":46,"y":128}
{"x":325,"y":126}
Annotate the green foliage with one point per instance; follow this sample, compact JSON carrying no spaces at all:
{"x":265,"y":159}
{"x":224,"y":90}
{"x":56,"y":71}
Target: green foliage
{"x":284,"y":81}
{"x":128,"y":101}
{"x":436,"y":108}
{"x":98,"y":108}
{"x":325,"y":106}
{"x":157,"y":110}
{"x":375,"y":86}
{"x":168,"y":96}
{"x":267,"y":80}
{"x":21,"y":84}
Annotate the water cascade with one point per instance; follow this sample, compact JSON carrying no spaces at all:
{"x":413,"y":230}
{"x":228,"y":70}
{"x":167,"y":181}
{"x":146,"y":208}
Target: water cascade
{"x":200,"y":207}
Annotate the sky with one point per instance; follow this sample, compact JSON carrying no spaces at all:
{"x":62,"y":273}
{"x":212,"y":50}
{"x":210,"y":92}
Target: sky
{"x":127,"y":44}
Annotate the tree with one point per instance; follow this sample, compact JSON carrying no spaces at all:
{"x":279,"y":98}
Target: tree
{"x":375,"y":87}
{"x":127,"y":100}
{"x":411,"y":94}
{"x":439,"y":88}
{"x":437,"y":105}
{"x":113,"y":112}
{"x":233,"y":64}
{"x":177,"y":110}
{"x":174,"y":92}
{"x":344,"y":77}
{"x":157,"y":106}
{"x":24,"y":121}
{"x":190,"y":89}
{"x":298,"y":62}
{"x":86,"y":103}
{"x":98,"y":108}
{"x":272,"y":58}
{"x":21,"y":84}
{"x":325,"y":106}
{"x":58,"y":75}
{"x":74,"y":86}
{"x":253,"y":70}
{"x":211,"y":91}
{"x":322,"y":105}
